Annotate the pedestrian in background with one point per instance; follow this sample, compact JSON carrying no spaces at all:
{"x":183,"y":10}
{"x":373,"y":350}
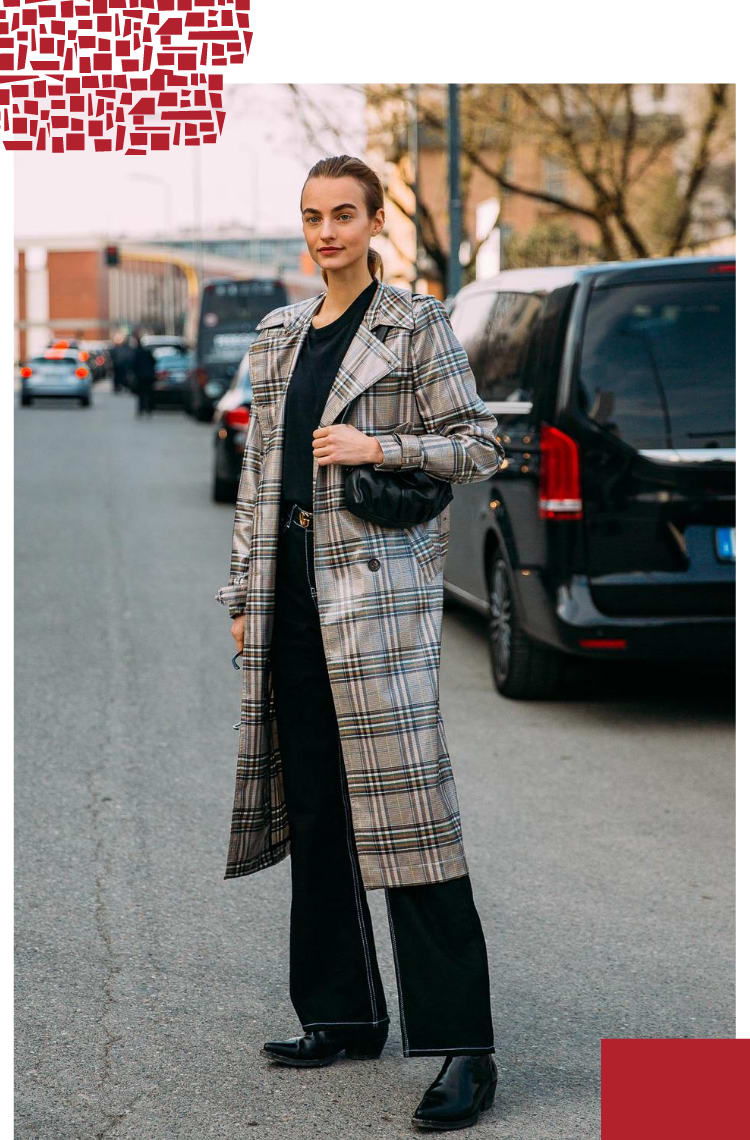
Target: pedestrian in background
{"x":121,"y":355}
{"x":343,"y":760}
{"x":144,"y":374}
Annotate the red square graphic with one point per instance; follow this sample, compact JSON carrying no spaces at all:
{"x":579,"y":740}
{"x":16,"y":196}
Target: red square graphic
{"x":675,"y":1088}
{"x":115,"y":47}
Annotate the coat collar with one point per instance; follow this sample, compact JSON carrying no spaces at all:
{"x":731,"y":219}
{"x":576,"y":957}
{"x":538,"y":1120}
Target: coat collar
{"x":365,"y":362}
{"x":389,"y":306}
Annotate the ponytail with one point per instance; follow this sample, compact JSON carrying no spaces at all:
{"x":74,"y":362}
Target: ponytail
{"x":375,"y":263}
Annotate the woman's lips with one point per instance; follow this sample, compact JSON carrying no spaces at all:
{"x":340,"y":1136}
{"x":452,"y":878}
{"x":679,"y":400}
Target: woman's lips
{"x":331,"y":249}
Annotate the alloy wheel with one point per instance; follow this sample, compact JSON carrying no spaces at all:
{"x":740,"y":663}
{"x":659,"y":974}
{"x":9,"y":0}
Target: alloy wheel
{"x":501,"y":628}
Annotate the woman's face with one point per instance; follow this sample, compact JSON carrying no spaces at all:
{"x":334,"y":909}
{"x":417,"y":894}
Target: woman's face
{"x":335,"y":222}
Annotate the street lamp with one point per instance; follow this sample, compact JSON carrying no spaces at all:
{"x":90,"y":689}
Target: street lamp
{"x":415,"y":163}
{"x":197,"y":199}
{"x":454,"y":188}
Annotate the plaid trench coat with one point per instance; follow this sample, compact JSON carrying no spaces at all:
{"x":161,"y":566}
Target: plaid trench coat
{"x":381,"y":628}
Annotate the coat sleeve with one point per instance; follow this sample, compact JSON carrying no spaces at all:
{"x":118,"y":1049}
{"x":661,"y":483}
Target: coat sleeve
{"x":234,"y":593}
{"x":461,"y":443}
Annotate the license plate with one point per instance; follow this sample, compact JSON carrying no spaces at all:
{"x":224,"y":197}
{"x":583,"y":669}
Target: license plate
{"x":724,"y":536}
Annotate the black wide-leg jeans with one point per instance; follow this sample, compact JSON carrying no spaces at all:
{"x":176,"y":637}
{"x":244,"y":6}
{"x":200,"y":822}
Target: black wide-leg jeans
{"x":438,"y":944}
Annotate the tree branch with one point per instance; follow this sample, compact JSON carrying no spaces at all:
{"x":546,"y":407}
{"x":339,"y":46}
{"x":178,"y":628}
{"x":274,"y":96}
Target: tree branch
{"x":700,"y":164}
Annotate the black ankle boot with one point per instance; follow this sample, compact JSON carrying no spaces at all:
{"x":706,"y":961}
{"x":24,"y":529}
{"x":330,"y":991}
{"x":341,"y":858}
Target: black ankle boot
{"x":463,"y":1088}
{"x":323,"y":1046}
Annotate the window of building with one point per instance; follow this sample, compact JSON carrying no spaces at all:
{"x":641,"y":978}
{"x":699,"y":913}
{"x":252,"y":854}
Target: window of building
{"x":554,"y":176}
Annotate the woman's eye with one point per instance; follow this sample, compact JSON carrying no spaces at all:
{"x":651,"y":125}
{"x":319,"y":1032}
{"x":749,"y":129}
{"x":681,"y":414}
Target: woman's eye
{"x":314,"y":220}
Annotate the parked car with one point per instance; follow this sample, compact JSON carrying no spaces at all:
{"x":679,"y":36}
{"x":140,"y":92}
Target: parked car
{"x":231,"y":417}
{"x":64,"y":342}
{"x":609,"y":531}
{"x":164,"y":341}
{"x":173,"y":366}
{"x":95,"y":353}
{"x":57,"y":372}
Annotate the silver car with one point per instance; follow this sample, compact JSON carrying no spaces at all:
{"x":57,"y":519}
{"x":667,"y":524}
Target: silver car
{"x":58,"y":372}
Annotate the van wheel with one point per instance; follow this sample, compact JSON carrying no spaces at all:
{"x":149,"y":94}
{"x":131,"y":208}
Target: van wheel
{"x":27,"y":401}
{"x":521,"y":668}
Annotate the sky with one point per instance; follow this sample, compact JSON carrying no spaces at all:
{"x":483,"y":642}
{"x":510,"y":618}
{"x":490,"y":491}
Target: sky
{"x":253,"y":174}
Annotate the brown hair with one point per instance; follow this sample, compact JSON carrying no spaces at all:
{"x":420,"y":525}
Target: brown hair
{"x":339,"y":166}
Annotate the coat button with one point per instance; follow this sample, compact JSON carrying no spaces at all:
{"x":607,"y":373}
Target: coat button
{"x":374,"y":563}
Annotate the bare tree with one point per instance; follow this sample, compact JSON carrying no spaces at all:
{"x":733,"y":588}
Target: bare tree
{"x":634,"y":166}
{"x":618,"y":156}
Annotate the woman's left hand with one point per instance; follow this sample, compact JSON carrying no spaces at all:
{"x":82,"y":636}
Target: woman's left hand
{"x":343,"y":443}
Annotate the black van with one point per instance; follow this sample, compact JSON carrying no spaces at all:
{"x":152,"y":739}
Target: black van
{"x":609,"y":531}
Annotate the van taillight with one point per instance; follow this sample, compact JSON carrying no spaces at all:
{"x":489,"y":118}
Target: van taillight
{"x":559,"y":476}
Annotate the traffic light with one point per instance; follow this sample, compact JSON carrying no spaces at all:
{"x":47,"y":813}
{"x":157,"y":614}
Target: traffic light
{"x":112,"y":255}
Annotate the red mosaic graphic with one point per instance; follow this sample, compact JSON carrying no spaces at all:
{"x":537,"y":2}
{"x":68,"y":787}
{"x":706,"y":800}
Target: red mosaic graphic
{"x":112,"y":75}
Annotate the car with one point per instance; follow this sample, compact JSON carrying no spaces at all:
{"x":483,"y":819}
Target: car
{"x":609,"y":530}
{"x":64,"y":342}
{"x":231,"y":417}
{"x":97,"y":357}
{"x":165,"y":341}
{"x":57,"y":372}
{"x":173,"y":365}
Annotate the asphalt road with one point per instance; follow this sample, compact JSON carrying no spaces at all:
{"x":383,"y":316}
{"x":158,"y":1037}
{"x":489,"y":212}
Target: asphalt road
{"x":599,"y":831}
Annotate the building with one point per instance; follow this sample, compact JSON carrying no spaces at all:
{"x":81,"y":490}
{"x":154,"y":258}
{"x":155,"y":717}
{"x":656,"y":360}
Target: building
{"x":89,"y":287}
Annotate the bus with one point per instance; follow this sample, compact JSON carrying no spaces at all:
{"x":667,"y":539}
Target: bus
{"x":227,"y":313}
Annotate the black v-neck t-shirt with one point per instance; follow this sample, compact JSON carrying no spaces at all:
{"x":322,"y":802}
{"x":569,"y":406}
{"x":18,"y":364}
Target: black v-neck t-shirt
{"x":319,"y":360}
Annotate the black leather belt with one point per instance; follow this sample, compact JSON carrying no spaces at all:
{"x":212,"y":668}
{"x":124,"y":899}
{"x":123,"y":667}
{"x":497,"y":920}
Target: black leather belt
{"x":295,"y":513}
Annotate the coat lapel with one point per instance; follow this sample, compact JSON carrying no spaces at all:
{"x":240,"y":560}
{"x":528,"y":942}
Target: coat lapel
{"x":366,"y":360}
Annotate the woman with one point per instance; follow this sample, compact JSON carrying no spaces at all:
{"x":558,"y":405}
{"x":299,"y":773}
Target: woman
{"x":343,"y":760}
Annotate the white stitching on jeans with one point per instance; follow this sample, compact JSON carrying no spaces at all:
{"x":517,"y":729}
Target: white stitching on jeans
{"x":398,"y":976}
{"x":447,"y":1048}
{"x":311,"y":1024}
{"x":357,"y":900}
{"x":313,"y":591}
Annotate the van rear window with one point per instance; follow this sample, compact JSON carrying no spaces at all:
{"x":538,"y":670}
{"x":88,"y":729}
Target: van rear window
{"x":657,"y":365}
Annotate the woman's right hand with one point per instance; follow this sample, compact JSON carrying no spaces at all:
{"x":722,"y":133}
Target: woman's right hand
{"x":238,"y":632}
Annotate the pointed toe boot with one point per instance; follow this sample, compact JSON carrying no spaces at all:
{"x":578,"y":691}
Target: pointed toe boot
{"x":464,"y":1087}
{"x":320,"y":1047}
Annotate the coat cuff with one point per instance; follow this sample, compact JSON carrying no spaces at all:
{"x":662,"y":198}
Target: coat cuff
{"x":399,"y":452}
{"x":233,"y":596}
